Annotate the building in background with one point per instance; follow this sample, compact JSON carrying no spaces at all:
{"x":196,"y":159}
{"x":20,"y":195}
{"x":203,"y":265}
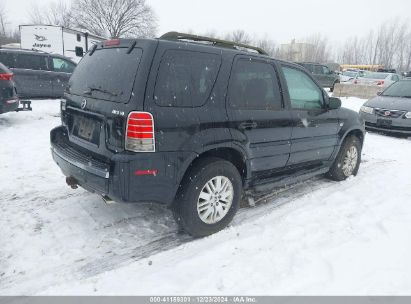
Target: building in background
{"x":296,"y":51}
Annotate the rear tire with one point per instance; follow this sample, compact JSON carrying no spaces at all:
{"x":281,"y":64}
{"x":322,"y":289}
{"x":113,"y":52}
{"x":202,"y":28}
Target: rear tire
{"x":347,"y":161}
{"x":209,"y":197}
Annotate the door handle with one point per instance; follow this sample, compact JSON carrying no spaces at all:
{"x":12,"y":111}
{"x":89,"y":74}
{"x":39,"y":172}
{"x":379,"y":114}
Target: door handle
{"x":248,"y":125}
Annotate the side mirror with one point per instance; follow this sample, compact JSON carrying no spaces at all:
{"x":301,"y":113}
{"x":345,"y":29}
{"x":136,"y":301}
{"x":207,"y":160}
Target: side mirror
{"x":334,"y":103}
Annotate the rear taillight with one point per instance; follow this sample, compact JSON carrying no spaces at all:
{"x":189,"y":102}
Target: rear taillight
{"x":380,"y":82}
{"x":140,"y":132}
{"x":6,"y":76}
{"x":111,"y":42}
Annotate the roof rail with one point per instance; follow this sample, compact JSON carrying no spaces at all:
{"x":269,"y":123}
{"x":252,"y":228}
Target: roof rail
{"x":213,"y":41}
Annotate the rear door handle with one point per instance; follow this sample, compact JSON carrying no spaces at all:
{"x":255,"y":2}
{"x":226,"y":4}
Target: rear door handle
{"x":248,"y":125}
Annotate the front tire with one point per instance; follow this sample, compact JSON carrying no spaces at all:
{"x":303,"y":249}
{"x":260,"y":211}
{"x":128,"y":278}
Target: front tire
{"x":208,"y":198}
{"x":347,"y":161}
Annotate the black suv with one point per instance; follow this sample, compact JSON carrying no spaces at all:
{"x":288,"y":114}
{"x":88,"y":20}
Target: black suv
{"x":194,"y":123}
{"x":8,"y":95}
{"x":325,"y":77}
{"x":38,"y":74}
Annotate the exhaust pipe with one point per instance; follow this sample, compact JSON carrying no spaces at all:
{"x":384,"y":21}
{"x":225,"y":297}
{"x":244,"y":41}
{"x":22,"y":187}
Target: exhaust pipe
{"x":72,"y":182}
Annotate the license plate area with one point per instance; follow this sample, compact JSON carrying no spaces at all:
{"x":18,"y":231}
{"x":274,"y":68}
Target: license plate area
{"x":384,"y":122}
{"x":86,"y":129}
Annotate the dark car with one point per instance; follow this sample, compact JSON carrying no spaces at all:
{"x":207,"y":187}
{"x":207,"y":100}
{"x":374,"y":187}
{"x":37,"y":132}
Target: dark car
{"x":38,"y":74}
{"x":325,"y":77}
{"x":390,"y":112}
{"x":194,"y":126}
{"x":8,"y":95}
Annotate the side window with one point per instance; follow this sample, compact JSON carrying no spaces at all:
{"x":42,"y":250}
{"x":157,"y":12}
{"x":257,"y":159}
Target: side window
{"x":185,"y":79}
{"x":30,"y":62}
{"x":309,"y":67}
{"x":61,"y":65}
{"x":326,"y":70}
{"x":318,"y":69}
{"x":254,"y":85}
{"x":304,"y":93}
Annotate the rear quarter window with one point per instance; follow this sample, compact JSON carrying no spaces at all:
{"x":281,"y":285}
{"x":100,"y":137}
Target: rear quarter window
{"x":185,"y":79}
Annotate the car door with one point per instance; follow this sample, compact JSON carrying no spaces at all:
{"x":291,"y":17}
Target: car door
{"x":30,"y":75}
{"x":314,"y":128}
{"x":318,"y":74}
{"x":329,"y":77}
{"x":60,"y":72}
{"x":255,"y":107}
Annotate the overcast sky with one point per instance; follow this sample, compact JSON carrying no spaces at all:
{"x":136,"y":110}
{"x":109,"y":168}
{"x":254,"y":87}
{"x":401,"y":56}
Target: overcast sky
{"x":279,"y":20}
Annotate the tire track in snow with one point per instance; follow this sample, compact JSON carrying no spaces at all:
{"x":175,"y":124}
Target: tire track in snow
{"x":90,"y":266}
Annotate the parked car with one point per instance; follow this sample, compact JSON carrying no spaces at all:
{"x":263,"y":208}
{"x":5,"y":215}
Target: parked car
{"x":325,"y":77}
{"x":38,"y":74}
{"x":8,"y":95}
{"x":194,"y":126}
{"x":349,"y":75}
{"x":383,"y":80}
{"x":390,"y":112}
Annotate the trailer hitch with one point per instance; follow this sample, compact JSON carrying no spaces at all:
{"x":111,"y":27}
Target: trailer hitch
{"x":26,"y":106}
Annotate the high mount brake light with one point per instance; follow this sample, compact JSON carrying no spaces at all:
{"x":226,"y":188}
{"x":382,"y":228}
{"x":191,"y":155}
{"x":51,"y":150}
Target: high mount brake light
{"x":6,"y":76}
{"x":140,"y":132}
{"x":111,"y":42}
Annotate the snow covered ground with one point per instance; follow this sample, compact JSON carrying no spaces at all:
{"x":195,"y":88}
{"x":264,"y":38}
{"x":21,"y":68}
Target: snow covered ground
{"x":317,"y":237}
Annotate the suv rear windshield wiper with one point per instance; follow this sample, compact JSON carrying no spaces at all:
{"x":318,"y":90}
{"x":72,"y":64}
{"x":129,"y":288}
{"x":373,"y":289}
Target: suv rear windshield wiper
{"x":91,"y":89}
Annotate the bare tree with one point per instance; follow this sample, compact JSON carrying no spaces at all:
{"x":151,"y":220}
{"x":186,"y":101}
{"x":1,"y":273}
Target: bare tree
{"x":56,"y":13}
{"x":116,"y":18}
{"x":269,"y":46}
{"x":3,"y":20}
{"x":389,"y":46}
{"x":317,"y":49}
{"x":239,"y":36}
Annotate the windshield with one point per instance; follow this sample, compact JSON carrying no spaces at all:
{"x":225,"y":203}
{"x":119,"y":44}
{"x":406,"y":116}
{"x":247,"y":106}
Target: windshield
{"x":399,"y":89}
{"x":107,"y":74}
{"x":376,"y":75}
{"x":350,"y":73}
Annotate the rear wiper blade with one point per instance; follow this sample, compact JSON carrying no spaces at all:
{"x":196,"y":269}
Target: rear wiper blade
{"x":91,"y":89}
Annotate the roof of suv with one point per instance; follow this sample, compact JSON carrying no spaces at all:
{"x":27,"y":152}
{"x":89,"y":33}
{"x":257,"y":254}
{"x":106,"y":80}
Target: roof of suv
{"x":33,"y":52}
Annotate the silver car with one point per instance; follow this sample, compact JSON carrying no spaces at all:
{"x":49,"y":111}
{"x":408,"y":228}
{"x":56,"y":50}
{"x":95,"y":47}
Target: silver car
{"x":349,"y":75}
{"x":390,"y":112}
{"x":382,"y":80}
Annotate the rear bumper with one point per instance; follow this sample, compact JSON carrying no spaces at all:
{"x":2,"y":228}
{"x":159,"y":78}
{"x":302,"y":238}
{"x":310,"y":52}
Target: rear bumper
{"x":8,"y":106}
{"x":116,"y":177}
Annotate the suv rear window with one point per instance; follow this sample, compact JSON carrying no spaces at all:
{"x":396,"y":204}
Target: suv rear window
{"x":185,"y":79}
{"x":107,"y":74}
{"x":24,"y":61}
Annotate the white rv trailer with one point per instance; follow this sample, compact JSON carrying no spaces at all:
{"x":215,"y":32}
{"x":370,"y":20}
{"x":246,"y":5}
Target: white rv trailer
{"x":55,"y":39}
